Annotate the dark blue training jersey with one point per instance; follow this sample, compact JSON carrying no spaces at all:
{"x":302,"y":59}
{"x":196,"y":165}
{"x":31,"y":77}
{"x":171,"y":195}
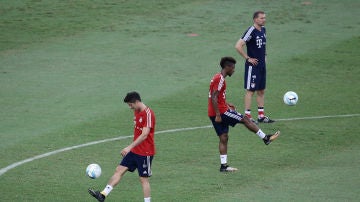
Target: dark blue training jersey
{"x":256,"y":44}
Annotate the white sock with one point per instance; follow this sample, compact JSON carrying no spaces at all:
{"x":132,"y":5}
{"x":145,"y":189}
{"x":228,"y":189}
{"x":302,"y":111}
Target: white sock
{"x":261,"y":134}
{"x":223,"y":159}
{"x":107,"y":190}
{"x":148,"y":199}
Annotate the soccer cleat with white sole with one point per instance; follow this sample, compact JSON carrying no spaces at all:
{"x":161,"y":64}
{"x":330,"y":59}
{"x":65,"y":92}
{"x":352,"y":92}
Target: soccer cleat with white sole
{"x":97,"y":195}
{"x":270,"y":138}
{"x":265,"y":119}
{"x":227,"y":169}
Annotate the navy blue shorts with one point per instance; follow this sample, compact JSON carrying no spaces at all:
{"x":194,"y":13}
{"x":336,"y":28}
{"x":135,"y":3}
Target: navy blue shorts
{"x":142,"y":163}
{"x":254,"y":77}
{"x":229,"y":118}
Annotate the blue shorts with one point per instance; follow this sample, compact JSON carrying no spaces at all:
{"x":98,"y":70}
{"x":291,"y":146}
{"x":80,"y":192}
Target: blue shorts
{"x":229,"y":118}
{"x":254,"y":77}
{"x":142,"y":163}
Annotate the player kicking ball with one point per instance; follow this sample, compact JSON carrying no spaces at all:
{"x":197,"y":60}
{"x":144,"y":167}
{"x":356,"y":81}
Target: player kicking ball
{"x":223,"y":114}
{"x":139,"y":154}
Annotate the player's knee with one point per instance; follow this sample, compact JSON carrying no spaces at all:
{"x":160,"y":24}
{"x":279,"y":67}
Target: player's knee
{"x":260,"y":92}
{"x":120,"y":170}
{"x":224,"y":138}
{"x":250,"y":93}
{"x":144,"y":180}
{"x":246,"y":121}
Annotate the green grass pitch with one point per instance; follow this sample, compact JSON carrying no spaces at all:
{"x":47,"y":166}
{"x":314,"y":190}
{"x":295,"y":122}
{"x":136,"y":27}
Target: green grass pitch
{"x":66,"y":65}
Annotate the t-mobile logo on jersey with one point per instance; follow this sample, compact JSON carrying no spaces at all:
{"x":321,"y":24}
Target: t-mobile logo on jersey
{"x":259,"y":42}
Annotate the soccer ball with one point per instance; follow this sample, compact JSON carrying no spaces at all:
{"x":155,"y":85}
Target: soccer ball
{"x":290,"y":98}
{"x":93,"y":171}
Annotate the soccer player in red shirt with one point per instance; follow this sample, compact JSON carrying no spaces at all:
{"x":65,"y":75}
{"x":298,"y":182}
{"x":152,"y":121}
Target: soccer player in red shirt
{"x":223,"y":114}
{"x":139,"y":154}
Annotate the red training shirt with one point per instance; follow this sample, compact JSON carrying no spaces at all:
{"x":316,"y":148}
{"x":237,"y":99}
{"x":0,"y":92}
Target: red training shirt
{"x":217,"y":83}
{"x":145,"y":118}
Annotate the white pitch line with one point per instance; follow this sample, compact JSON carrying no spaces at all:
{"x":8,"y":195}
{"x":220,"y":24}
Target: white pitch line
{"x":14,"y":165}
{"x":19,"y":163}
{"x":319,"y":117}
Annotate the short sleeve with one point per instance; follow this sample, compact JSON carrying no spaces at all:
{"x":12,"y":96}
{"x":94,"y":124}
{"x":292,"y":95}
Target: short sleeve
{"x":149,"y":119}
{"x":248,"y":34}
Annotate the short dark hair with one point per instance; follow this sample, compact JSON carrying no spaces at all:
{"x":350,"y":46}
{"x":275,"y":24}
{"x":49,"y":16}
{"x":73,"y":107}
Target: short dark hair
{"x":132,"y":97}
{"x":256,"y":14}
{"x":226,"y":61}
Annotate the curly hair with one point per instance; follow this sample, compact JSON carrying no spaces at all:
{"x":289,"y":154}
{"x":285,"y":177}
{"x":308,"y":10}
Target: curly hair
{"x":226,"y":61}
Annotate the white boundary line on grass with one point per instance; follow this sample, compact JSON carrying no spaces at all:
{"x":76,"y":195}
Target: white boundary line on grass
{"x":19,"y":163}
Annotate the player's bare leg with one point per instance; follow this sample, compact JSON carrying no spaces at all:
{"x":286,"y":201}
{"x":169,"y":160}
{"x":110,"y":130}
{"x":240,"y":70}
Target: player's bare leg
{"x":247,"y":99}
{"x":260,"y":99}
{"x":223,"y":142}
{"x":146,"y":187}
{"x":254,"y":128}
{"x":249,"y":124}
{"x":114,"y":180}
{"x":119,"y":172}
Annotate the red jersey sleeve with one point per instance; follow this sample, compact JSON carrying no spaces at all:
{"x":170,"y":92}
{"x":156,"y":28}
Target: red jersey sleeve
{"x":149,"y":119}
{"x":218,"y":83}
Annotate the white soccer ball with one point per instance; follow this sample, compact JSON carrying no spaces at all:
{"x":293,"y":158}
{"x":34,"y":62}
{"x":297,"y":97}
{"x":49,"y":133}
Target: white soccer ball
{"x":290,"y":98}
{"x":93,"y":171}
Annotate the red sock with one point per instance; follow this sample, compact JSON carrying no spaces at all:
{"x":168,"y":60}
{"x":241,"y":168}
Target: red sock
{"x":248,"y":113}
{"x":261,"y":113}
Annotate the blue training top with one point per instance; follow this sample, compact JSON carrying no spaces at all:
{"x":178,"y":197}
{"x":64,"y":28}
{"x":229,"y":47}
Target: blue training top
{"x":256,"y":44}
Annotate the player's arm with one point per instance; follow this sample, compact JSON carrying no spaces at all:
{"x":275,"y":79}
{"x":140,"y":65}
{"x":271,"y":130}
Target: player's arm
{"x":239,"y":48}
{"x":214,"y":102}
{"x":140,"y":139}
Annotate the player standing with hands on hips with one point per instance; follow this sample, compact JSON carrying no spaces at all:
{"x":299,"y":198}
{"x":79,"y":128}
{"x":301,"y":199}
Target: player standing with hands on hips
{"x":139,"y":154}
{"x":223,"y":114}
{"x":255,"y":66}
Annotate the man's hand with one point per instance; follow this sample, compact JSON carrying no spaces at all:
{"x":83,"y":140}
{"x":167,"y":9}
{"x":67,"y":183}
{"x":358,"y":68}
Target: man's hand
{"x":253,"y":61}
{"x":218,"y":119}
{"x":125,"y":151}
